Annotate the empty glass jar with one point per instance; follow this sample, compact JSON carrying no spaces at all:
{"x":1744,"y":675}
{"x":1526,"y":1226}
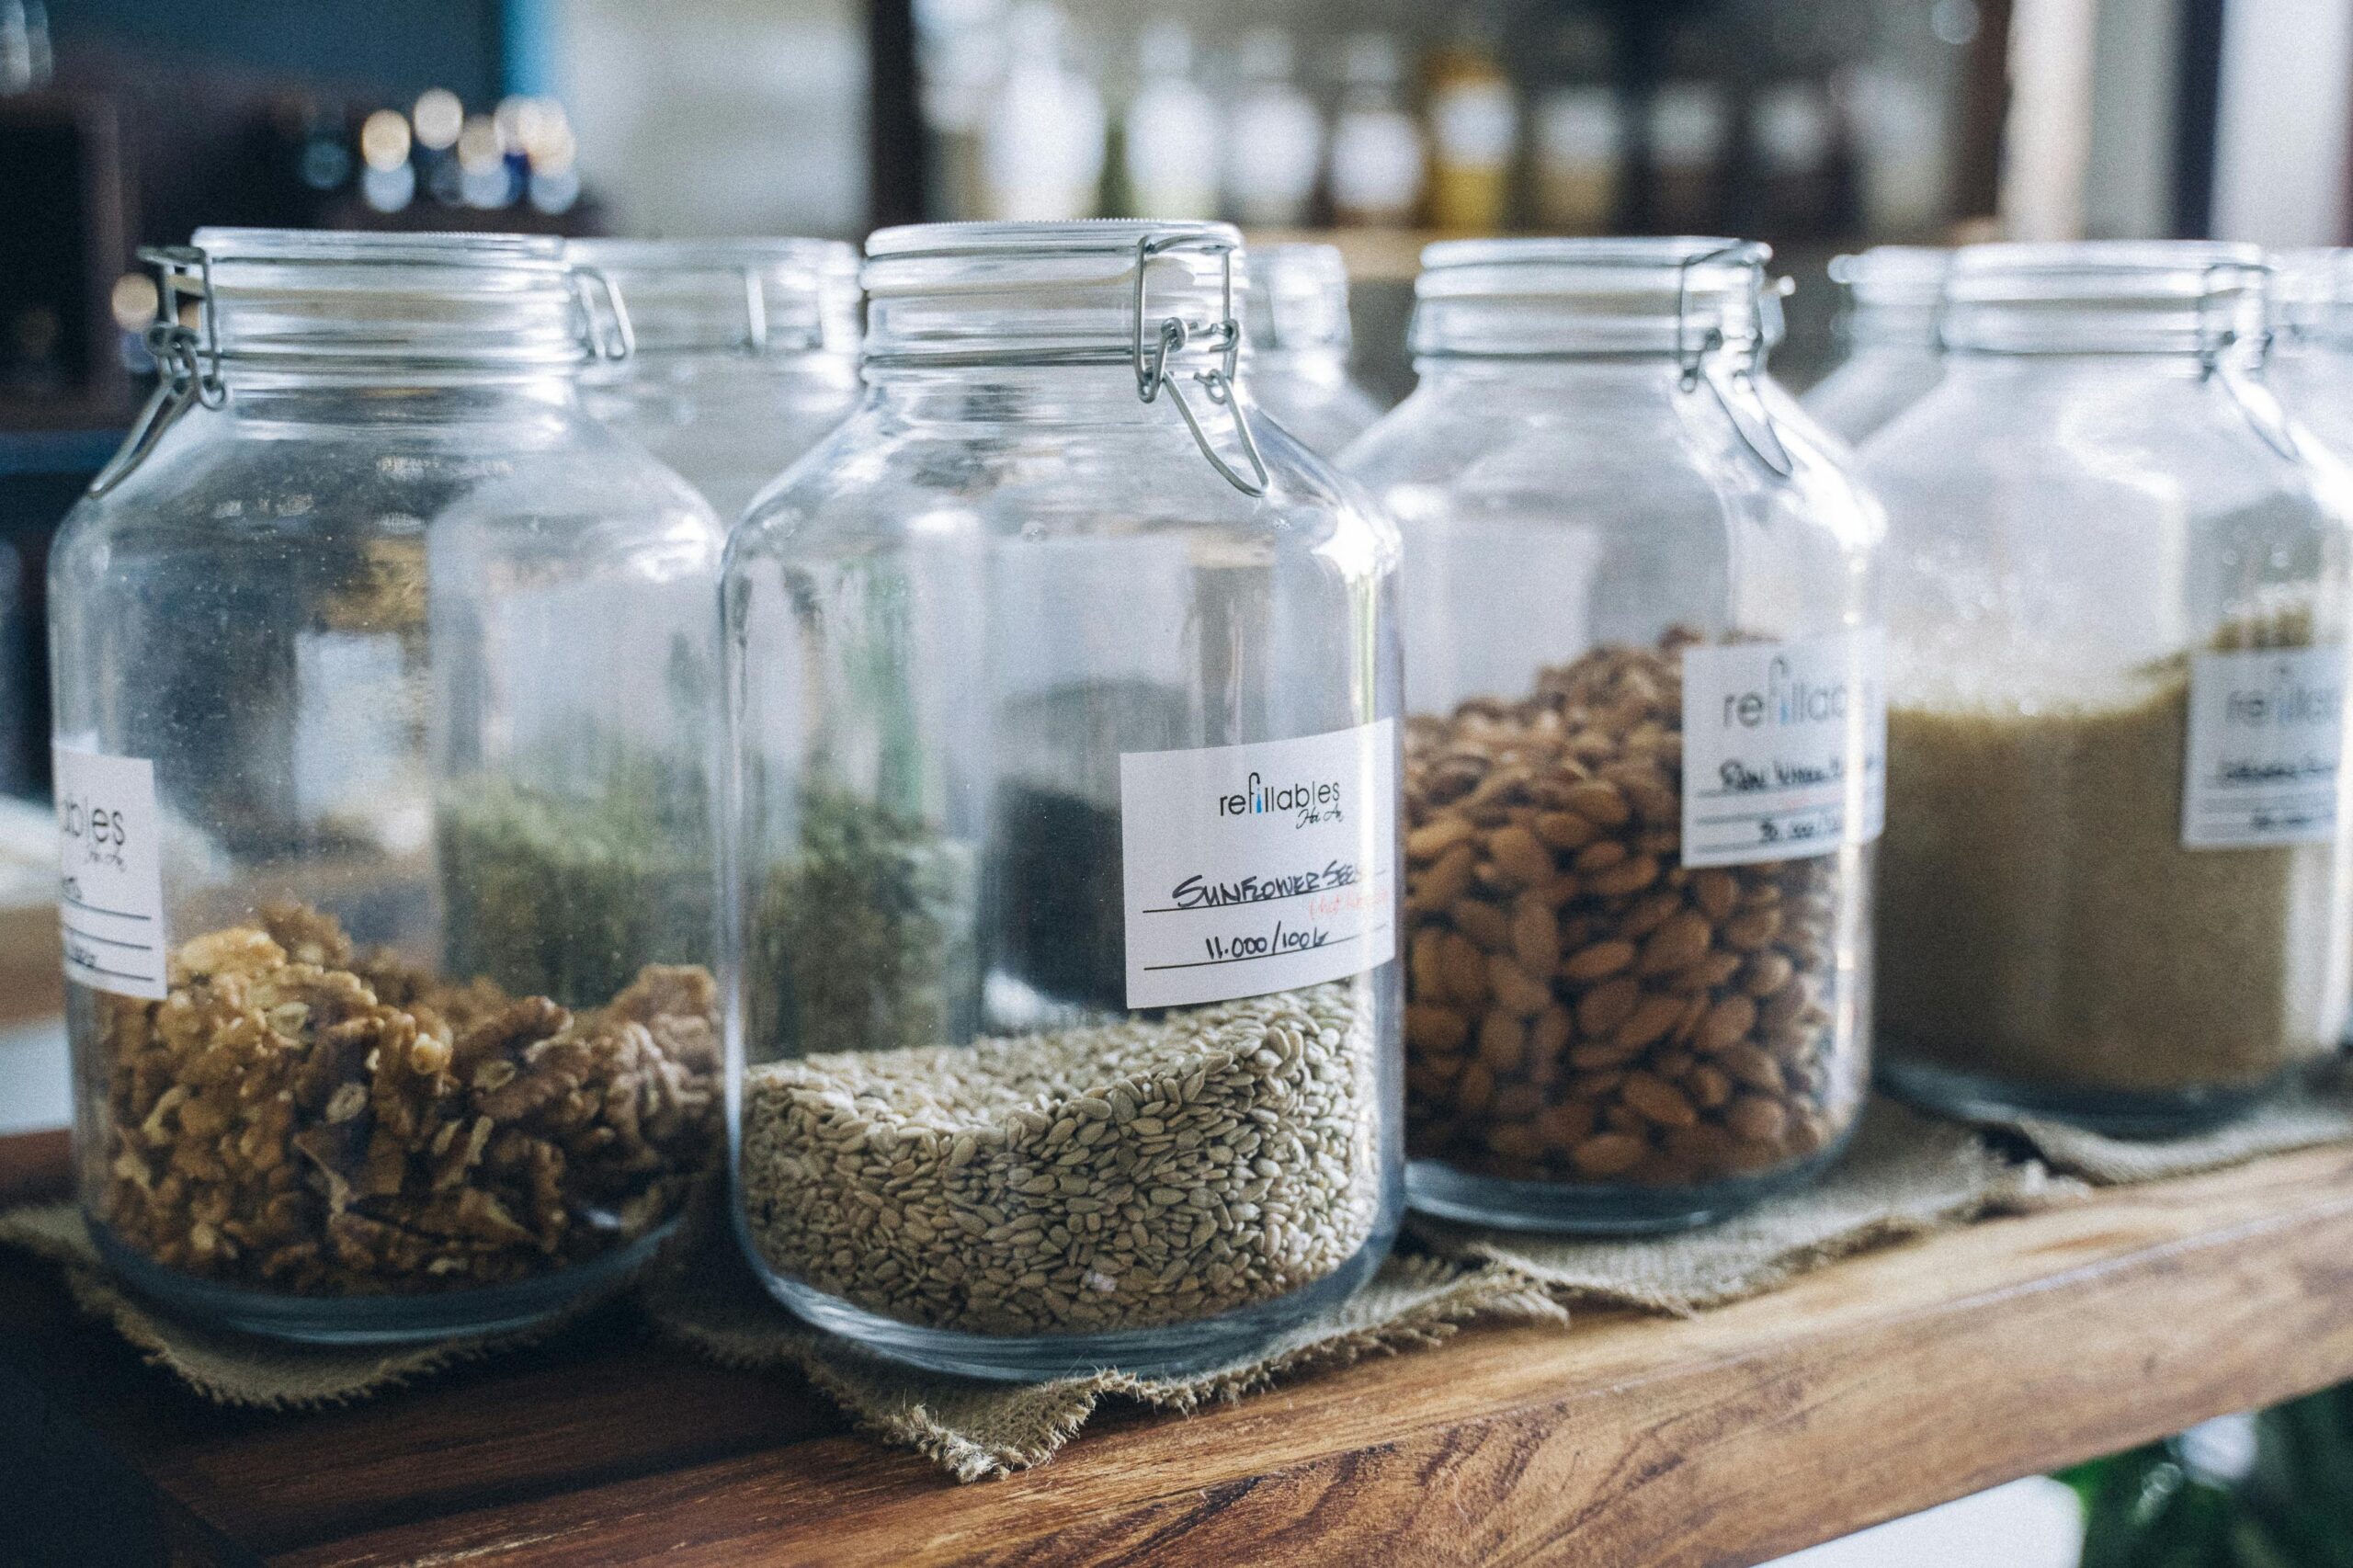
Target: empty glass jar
{"x":744,"y":354}
{"x":2311,"y":365}
{"x":386,"y":696}
{"x":2113,"y":888}
{"x":1064,"y":705}
{"x":1890,"y":327}
{"x":1295,"y":343}
{"x":1642,"y":640}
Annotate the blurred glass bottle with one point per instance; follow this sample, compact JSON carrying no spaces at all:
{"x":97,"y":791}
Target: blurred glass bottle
{"x":1376,"y":147}
{"x":1686,"y":127}
{"x":1276,"y":142}
{"x":1171,"y":129}
{"x":1041,"y":153}
{"x":1791,"y":136}
{"x":1474,"y":131}
{"x":1577,"y":150}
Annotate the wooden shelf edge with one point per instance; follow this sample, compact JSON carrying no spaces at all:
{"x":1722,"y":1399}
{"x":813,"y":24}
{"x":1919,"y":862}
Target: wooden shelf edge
{"x":1866,"y":1391}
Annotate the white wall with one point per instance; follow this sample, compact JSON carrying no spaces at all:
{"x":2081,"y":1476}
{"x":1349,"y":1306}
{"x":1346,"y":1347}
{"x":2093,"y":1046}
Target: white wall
{"x":720,"y":117}
{"x":2280,"y":156}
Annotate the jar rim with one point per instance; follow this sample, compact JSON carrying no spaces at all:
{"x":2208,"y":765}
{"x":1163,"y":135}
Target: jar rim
{"x":356,"y":300}
{"x":1717,"y":257}
{"x":2028,"y":271}
{"x":1893,"y":274}
{"x":245,"y":245}
{"x":2195,"y":297}
{"x":999,"y":238}
{"x":1687,"y":296}
{"x":756,"y":295}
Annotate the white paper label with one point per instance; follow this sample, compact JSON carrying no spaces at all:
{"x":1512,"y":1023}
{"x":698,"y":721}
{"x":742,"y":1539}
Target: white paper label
{"x":2266,"y":730}
{"x":1259,"y":868}
{"x":109,"y":873}
{"x":1784,"y":747}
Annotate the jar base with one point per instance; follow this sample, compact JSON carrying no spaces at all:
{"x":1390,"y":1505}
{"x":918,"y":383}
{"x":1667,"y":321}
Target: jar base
{"x":1443,"y":1192}
{"x":2109,"y":1112}
{"x":1172,"y":1350}
{"x":373,"y":1320}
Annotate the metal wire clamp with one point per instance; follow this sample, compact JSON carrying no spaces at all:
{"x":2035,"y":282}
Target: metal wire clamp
{"x":188,"y":359}
{"x":1152,"y":346}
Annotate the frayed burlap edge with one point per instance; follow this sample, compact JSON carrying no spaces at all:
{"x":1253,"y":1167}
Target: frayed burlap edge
{"x":2305,"y":1115}
{"x":977,"y":1430}
{"x":1903,"y":1176}
{"x":238,"y":1370}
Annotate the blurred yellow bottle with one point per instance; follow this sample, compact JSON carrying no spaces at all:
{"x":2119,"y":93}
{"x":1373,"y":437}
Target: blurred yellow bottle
{"x":1474,"y":129}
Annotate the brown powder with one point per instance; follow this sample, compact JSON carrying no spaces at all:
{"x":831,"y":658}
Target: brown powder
{"x":2039,"y":920}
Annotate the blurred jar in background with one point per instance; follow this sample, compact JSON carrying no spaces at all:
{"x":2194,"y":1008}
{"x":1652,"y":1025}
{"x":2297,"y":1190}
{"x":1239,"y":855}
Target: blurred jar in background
{"x":1376,"y":147}
{"x":1041,"y":152}
{"x":1171,"y":130}
{"x":1295,"y":342}
{"x":1274,"y":143}
{"x":1474,"y":131}
{"x":747,"y":354}
{"x":1890,"y":328}
{"x":1687,"y":125}
{"x":1578,"y":132}
{"x":2312,"y":361}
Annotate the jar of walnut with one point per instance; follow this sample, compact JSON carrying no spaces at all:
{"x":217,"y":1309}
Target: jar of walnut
{"x":1641,"y":777}
{"x":384,"y":685}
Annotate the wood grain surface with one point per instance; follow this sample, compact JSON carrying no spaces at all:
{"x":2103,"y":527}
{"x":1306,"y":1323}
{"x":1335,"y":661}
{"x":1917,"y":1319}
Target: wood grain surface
{"x":1866,"y":1391}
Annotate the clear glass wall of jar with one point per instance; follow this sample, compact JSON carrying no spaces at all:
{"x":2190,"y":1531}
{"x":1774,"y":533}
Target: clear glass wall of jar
{"x":1890,"y":328}
{"x":386,"y":692}
{"x":2112,"y":889}
{"x":1295,"y":345}
{"x":1064,"y":722}
{"x":2311,"y":365}
{"x":1642,"y":624}
{"x":744,"y":354}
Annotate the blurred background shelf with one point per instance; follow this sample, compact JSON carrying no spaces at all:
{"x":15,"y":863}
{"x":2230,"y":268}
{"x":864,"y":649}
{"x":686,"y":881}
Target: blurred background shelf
{"x":1866,"y":1391}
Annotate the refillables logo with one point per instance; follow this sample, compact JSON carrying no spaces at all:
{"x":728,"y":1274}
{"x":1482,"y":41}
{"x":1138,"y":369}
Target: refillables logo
{"x":1308,"y":799}
{"x":1786,"y":699}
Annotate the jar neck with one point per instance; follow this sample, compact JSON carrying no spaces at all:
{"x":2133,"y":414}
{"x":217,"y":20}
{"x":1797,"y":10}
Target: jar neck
{"x":1645,"y":375}
{"x":1094,"y":396}
{"x":1908,"y":327}
{"x":396,"y":395}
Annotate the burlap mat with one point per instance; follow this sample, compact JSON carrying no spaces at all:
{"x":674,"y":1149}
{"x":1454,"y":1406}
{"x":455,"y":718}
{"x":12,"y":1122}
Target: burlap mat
{"x":225,"y":1367}
{"x":2308,"y":1113}
{"x":1904,"y":1174}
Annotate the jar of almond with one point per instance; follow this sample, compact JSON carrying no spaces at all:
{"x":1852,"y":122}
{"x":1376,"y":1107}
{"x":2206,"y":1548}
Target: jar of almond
{"x":1643,"y":767}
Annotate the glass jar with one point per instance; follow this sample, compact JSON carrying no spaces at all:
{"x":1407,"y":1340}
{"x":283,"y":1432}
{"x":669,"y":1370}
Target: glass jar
{"x":744,"y":354}
{"x":2113,"y":891}
{"x":1642,"y":630}
{"x":1890,"y":327}
{"x":2310,"y":365}
{"x":386,"y":701}
{"x":1064,"y":705}
{"x":1295,"y":345}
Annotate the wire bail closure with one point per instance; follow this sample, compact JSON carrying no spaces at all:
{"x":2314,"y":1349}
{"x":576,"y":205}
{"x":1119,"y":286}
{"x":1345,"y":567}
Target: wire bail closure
{"x":1735,"y":390}
{"x":1154,"y":346}
{"x":188,"y":359}
{"x":610,"y":337}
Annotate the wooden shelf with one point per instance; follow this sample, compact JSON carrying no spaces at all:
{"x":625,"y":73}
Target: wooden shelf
{"x":1866,"y":1391}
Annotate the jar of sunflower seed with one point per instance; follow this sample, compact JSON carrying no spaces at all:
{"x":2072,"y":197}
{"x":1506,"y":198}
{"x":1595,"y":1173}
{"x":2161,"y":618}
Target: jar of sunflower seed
{"x":1064,"y":692}
{"x":1642,"y":761}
